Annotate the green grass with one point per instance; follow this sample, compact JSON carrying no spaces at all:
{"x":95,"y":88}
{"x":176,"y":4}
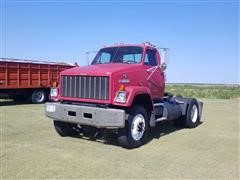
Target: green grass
{"x":204,"y":91}
{"x":31,"y":149}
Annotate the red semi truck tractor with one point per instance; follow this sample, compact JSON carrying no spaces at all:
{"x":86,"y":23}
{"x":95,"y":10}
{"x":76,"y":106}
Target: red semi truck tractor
{"x":121,"y":92}
{"x":28,"y":79}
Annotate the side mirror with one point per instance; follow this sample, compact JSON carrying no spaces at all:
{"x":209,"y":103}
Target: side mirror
{"x":163,"y":66}
{"x":164,"y":54}
{"x":90,"y":56}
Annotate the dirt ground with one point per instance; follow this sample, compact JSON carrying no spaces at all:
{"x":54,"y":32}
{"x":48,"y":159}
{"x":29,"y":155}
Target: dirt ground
{"x":30,"y":148}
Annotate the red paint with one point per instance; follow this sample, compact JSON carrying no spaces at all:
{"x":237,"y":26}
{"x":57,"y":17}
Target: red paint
{"x":137,"y":75}
{"x":22,"y":74}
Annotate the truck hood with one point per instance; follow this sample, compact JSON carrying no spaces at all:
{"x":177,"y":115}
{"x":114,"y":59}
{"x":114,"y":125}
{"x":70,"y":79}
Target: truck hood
{"x":100,"y":69}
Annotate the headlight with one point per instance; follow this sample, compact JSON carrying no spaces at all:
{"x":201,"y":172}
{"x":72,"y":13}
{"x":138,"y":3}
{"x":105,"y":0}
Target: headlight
{"x":53,"y":92}
{"x":121,"y":97}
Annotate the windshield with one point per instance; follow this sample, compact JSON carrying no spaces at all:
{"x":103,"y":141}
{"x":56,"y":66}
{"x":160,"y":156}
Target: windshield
{"x":127,"y":54}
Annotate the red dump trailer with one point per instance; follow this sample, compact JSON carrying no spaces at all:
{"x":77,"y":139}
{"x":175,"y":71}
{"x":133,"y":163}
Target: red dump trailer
{"x":28,"y":80}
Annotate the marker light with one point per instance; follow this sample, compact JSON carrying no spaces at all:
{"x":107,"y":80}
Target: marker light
{"x":54,"y":84}
{"x":121,"y":87}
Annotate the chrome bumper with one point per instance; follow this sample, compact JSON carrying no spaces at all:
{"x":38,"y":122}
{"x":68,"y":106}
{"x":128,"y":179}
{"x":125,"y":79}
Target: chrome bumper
{"x":85,"y":115}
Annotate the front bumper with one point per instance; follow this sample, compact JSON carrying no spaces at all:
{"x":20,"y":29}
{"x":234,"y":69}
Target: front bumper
{"x":85,"y":115}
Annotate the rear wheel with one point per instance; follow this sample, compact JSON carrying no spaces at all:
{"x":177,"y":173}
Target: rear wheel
{"x":191,"y":119}
{"x":39,"y":96}
{"x":66,"y":129}
{"x":136,"y":128}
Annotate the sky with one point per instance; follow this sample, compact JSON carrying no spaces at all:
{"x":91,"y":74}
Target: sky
{"x":203,"y":36}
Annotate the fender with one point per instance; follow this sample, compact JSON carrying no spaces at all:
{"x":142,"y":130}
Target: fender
{"x":132,"y":92}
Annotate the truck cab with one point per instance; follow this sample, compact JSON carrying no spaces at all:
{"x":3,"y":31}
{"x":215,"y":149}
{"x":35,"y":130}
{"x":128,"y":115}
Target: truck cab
{"x":121,"y":91}
{"x":140,"y":66}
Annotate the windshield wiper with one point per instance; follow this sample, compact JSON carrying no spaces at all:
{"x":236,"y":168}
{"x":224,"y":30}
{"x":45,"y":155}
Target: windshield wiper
{"x":129,"y":62}
{"x":99,"y":62}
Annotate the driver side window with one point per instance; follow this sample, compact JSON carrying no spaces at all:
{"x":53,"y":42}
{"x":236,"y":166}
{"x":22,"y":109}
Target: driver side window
{"x":150,"y":58}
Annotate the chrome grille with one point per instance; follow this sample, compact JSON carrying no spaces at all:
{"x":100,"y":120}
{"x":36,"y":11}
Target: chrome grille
{"x":88,"y":87}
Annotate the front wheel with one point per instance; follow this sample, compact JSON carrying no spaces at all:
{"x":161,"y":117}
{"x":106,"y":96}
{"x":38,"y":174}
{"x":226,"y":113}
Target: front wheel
{"x":136,"y":128}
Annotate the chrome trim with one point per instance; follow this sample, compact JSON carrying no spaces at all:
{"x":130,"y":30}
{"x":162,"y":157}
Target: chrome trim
{"x":87,"y":87}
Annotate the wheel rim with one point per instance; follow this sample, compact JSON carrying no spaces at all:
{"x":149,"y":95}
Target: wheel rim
{"x":194,"y":113}
{"x":138,"y":127}
{"x":39,"y":97}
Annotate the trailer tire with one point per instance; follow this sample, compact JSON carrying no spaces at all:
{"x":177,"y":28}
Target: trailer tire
{"x":39,"y":96}
{"x":136,"y":128}
{"x":66,"y":129}
{"x":191,"y":119}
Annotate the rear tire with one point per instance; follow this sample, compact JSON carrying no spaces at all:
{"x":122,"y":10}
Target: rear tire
{"x":66,"y":129}
{"x":136,"y":128}
{"x":191,"y":119}
{"x":39,"y":96}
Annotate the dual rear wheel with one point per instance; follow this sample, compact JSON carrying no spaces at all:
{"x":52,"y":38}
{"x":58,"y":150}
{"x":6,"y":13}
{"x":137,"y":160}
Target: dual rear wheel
{"x":191,"y":119}
{"x":38,"y":96}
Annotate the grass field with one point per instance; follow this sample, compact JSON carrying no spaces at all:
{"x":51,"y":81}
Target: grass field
{"x":31,"y":148}
{"x":204,"y":90}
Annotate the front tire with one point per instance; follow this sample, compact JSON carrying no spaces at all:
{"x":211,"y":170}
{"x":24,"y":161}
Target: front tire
{"x":136,"y":128}
{"x":66,"y":129}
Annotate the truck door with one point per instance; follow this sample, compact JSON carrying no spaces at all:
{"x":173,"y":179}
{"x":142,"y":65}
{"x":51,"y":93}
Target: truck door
{"x":155,"y":79}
